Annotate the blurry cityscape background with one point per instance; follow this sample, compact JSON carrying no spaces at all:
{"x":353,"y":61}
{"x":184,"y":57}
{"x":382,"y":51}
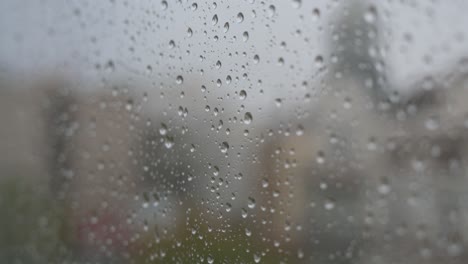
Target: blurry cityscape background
{"x":233,"y":132}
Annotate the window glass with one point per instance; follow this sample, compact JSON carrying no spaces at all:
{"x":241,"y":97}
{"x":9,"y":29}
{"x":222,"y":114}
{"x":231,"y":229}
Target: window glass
{"x":180,"y":131}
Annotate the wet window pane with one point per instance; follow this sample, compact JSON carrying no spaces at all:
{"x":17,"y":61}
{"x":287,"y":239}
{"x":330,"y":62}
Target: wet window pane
{"x":293,"y":131}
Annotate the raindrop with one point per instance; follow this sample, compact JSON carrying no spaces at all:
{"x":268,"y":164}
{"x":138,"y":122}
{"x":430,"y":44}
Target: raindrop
{"x":300,"y":130}
{"x":109,"y":66}
{"x":384,"y":188}
{"x":163,"y":129}
{"x":296,"y":3}
{"x":240,"y":18}
{"x":372,"y":144}
{"x":163,"y":5}
{"x":320,"y":157}
{"x":278,"y":102}
{"x":257,"y":258}
{"x":210,"y":260}
{"x":316,"y":13}
{"x":329,"y":204}
{"x":251,"y":203}
{"x":370,"y":15}
{"x":149,"y":69}
{"x":224,"y":147}
{"x":265,"y":183}
{"x":248,"y":118}
{"x":244,"y":213}
{"x":431,"y":123}
{"x":280,"y":61}
{"x":347,"y":103}
{"x":319,"y":61}
{"x":169,"y":142}
{"x":300,"y":254}
{"x":245,"y":36}
{"x":271,"y":10}
{"x":129,"y":105}
{"x":171,"y":44}
{"x":242,"y":94}
{"x":256,"y":59}
{"x":214,"y":20}
{"x":179,"y":79}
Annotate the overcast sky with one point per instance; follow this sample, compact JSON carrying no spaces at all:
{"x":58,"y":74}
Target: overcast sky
{"x":52,"y":35}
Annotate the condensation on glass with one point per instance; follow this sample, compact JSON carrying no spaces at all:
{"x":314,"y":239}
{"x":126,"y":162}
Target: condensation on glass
{"x":322,"y":131}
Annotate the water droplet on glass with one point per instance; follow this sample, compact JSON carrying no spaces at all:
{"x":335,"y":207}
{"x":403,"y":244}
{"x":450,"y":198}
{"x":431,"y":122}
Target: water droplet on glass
{"x":300,"y":254}
{"x":248,"y":118}
{"x":265,"y":183}
{"x":278,"y":102}
{"x":214,"y":20}
{"x":384,"y":188}
{"x":110,"y":66}
{"x":240,"y":18}
{"x":318,"y":61}
{"x":280,"y":61}
{"x":171,"y":44}
{"x":300,"y":130}
{"x":224,"y":147}
{"x":372,"y":144}
{"x":316,"y":13}
{"x":256,"y":59}
{"x":271,"y":10}
{"x":169,"y":142}
{"x":245,"y":36}
{"x":347,"y":103}
{"x":431,"y":123}
{"x":329,"y":204}
{"x":320,"y":157}
{"x":179,"y":79}
{"x":242,"y":94}
{"x":257,"y":258}
{"x":163,"y":129}
{"x":244,"y":213}
{"x":210,"y":260}
{"x":296,"y":3}
{"x":251,"y":203}
{"x":370,"y":15}
{"x":129,"y":105}
{"x":163,"y":5}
